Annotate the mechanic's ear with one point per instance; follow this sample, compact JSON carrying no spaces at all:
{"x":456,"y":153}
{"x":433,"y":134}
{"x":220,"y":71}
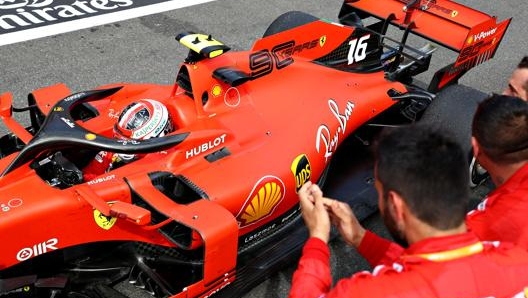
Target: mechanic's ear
{"x":396,"y":205}
{"x":475,"y":146}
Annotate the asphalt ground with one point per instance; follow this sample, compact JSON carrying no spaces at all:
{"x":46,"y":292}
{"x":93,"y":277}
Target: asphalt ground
{"x":144,"y":50}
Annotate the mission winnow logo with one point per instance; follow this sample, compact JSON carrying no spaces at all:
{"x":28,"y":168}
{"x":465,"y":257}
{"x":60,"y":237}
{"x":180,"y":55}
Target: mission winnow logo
{"x":28,"y":19}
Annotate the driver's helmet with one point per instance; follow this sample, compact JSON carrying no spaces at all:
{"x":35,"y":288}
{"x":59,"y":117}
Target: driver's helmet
{"x":143,"y":119}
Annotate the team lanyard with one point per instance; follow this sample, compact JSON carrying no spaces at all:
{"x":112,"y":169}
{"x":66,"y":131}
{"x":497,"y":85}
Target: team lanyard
{"x":452,"y":254}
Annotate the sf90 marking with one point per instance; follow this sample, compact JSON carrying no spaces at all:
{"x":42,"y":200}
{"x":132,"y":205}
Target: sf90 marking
{"x":263,"y":62}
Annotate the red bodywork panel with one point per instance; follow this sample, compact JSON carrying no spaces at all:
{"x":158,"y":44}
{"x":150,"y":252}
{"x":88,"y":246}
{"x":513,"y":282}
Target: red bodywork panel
{"x":247,"y":144}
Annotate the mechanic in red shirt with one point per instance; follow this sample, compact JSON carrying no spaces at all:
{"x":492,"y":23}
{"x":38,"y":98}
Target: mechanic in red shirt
{"x":500,"y":141}
{"x":141,"y":120}
{"x":500,"y":144}
{"x":518,"y":82}
{"x":421,"y":179}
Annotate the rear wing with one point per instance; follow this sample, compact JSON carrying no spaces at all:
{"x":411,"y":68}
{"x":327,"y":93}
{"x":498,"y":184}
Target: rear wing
{"x":473,"y":34}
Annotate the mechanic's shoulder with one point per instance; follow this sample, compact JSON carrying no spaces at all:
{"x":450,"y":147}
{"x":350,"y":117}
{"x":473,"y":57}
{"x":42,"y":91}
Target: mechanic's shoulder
{"x":379,"y":271}
{"x":385,"y":280}
{"x":504,"y":251}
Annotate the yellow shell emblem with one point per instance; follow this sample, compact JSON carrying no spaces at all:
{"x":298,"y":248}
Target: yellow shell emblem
{"x":266,"y":195}
{"x":454,"y":13}
{"x":105,"y":222}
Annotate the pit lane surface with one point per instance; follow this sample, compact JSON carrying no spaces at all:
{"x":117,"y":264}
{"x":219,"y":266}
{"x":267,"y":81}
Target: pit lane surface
{"x":144,"y":50}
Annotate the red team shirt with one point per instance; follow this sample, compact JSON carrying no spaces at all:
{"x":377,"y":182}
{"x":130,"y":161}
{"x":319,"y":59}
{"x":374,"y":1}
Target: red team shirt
{"x":452,"y":266}
{"x":503,"y":216}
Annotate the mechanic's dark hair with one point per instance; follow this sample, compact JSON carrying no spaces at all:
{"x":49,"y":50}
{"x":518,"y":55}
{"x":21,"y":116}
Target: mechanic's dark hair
{"x":523,"y":63}
{"x":428,"y":169}
{"x":500,"y":126}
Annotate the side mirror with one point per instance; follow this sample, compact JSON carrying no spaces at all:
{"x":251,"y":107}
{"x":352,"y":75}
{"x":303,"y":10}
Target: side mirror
{"x":130,"y":212}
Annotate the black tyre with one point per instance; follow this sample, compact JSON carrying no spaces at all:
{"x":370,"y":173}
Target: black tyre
{"x":289,"y":20}
{"x":453,"y":110}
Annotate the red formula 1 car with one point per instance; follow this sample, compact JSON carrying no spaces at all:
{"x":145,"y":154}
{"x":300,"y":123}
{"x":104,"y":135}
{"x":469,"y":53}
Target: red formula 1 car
{"x":214,"y":199}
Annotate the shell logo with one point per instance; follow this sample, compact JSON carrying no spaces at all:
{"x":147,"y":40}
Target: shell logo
{"x":454,"y":13}
{"x":265,"y":196}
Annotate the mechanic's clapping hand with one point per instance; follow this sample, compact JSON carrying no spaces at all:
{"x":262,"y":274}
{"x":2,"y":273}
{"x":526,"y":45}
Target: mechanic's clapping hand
{"x":313,"y":210}
{"x":346,"y":222}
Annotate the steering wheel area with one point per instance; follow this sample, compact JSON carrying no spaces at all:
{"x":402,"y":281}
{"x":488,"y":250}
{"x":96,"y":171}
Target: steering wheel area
{"x":60,"y":131}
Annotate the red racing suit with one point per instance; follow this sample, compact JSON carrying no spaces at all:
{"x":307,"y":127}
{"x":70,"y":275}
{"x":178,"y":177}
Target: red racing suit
{"x":99,"y":165}
{"x":503,"y":216}
{"x":450,"y":266}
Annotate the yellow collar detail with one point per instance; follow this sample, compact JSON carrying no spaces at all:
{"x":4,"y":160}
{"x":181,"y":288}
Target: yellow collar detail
{"x":452,"y":254}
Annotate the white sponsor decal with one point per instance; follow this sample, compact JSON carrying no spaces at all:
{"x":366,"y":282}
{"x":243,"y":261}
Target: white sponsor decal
{"x":259,"y":233}
{"x":74,"y":96}
{"x":218,"y":290}
{"x":22,"y":20}
{"x":205,"y":147}
{"x":113,"y":114}
{"x":326,"y":141}
{"x":129,"y":142}
{"x":68,"y":122}
{"x":101,"y":179}
{"x":484,"y":34}
{"x":37,"y":249}
{"x":13,"y":203}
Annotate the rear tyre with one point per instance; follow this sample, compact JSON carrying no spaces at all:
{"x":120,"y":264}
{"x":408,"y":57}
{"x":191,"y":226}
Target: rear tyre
{"x":289,"y":20}
{"x":452,"y":110}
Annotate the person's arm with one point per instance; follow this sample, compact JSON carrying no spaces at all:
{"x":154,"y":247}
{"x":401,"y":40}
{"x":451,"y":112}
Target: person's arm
{"x":98,"y":165}
{"x":375,"y":249}
{"x":312,"y":277}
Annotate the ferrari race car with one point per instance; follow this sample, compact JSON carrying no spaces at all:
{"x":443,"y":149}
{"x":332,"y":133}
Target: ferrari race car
{"x":215,"y":201}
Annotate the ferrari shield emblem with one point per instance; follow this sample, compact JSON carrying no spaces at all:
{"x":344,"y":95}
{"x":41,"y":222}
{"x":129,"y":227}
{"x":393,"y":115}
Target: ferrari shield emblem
{"x":322,"y":41}
{"x":105,"y":222}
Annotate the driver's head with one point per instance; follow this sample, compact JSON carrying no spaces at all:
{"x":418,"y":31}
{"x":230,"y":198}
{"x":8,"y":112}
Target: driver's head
{"x":518,"y":82}
{"x":143,"y":119}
